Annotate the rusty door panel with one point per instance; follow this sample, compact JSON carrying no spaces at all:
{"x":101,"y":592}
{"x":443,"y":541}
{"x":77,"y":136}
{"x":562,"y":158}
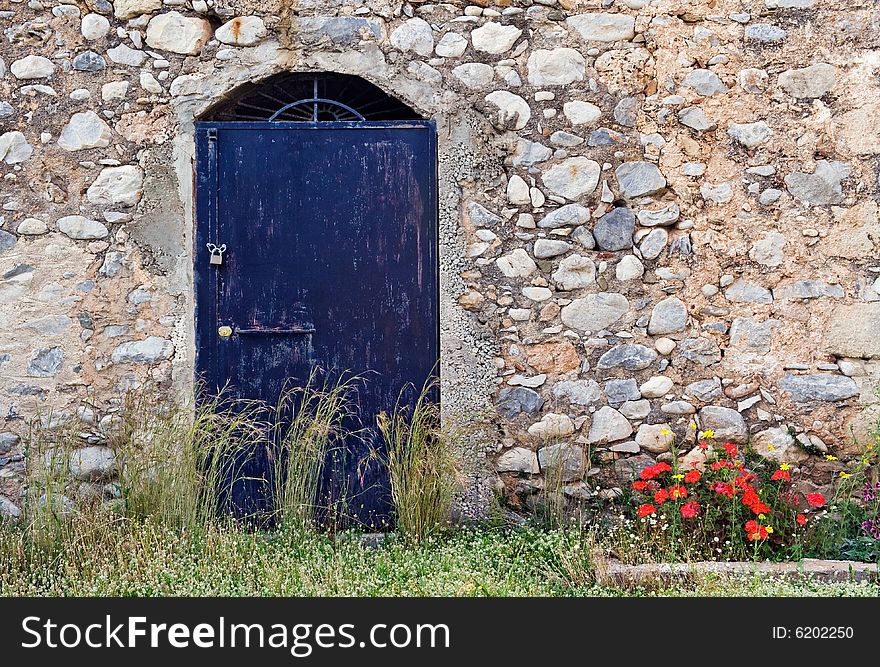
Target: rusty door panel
{"x":331,"y":262}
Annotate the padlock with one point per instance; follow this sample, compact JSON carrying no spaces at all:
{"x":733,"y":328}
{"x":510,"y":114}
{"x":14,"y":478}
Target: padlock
{"x":224,"y":331}
{"x":216,"y":253}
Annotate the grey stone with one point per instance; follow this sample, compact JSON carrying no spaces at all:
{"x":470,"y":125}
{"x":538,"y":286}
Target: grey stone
{"x":620,"y":391}
{"x":696,"y":119}
{"x":546,"y":248}
{"x":668,"y":316}
{"x":765,"y":33}
{"x":703,"y":351}
{"x":7,"y":241}
{"x":563,"y":461}
{"x":516,"y":264}
{"x":822,"y":187}
{"x":809,"y":82}
{"x":495,"y":38}
{"x":117,"y":185}
{"x":529,"y":153}
{"x":677,"y":408}
{"x":112,"y":263}
{"x":451,"y":45}
{"x":80,"y":228}
{"x":6,"y":109}
{"x":777,"y":444}
{"x":45,"y":362}
{"x":32,"y":67}
{"x":575,"y":272}
{"x":769,"y":250}
{"x":14,"y":147}
{"x":480,"y":216}
{"x":628,"y":469}
{"x":172,"y":31}
{"x":147,"y":351}
{"x":89,"y":61}
{"x":635,"y":409}
{"x":508,"y":111}
{"x":717,"y":194}
{"x":125,"y":55}
{"x":555,"y":67}
{"x":85,"y":130}
{"x":704,"y":82}
{"x":659,"y":217}
{"x":90,"y":464}
{"x":852,"y":331}
{"x":8,"y":440}
{"x":819,"y":387}
{"x":552,"y":426}
{"x":728,"y":424}
{"x":9,"y":512}
{"x":705,"y":390}
{"x":653,"y":244}
{"x":637,"y":179}
{"x":512,"y":401}
{"x":629,"y":356}
{"x":566,"y":139}
{"x":602,"y":26}
{"x":583,"y":236}
{"x":626,"y":111}
{"x":657,"y":386}
{"x":750,"y":135}
{"x":608,"y":425}
{"x":769,"y":196}
{"x":655,"y":438}
{"x":581,"y":113}
{"x":573,"y":177}
{"x":746,"y":292}
{"x":595,"y":311}
{"x":50,"y":325}
{"x":578,"y":392}
{"x":339,"y":30}
{"x":605,"y":137}
{"x":614,"y":230}
{"x":474,"y":75}
{"x":808,"y":289}
{"x":569,"y":215}
{"x":751,"y":335}
{"x":629,"y":268}
{"x":248,"y":30}
{"x":518,"y":459}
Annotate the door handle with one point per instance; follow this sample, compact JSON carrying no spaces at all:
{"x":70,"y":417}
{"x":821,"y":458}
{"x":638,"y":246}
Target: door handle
{"x":286,"y":330}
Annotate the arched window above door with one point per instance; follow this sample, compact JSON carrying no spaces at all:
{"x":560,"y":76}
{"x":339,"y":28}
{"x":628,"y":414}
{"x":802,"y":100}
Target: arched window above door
{"x":310,"y":97}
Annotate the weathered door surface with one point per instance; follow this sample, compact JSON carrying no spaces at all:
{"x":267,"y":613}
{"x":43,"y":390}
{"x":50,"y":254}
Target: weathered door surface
{"x":330,"y":234}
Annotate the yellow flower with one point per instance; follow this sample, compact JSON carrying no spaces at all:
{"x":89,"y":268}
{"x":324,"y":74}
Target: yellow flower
{"x":844,"y":475}
{"x":769,"y":529}
{"x":830,"y":457}
{"x":708,"y":433}
{"x":785,"y":466}
{"x":772,"y":448}
{"x":692,"y":425}
{"x":761,"y":517}
{"x":665,"y":431}
{"x":678,"y":477}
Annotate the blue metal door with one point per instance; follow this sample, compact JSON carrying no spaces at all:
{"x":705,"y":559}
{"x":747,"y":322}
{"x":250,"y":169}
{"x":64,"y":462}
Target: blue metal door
{"x":330,"y":262}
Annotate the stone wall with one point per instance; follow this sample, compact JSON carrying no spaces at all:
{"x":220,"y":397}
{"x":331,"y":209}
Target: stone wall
{"x":653,"y":214}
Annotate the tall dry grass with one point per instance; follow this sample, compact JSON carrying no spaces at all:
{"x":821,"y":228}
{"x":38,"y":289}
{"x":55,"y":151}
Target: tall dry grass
{"x":422,"y":464}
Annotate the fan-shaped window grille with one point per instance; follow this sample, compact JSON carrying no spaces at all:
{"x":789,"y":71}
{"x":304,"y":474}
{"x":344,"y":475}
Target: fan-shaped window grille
{"x":310,"y":98}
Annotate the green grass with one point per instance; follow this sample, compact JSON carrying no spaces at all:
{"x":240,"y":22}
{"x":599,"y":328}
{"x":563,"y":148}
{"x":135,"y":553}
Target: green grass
{"x":114,"y":557}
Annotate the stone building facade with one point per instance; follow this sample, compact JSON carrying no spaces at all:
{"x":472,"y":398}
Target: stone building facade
{"x":653,"y":213}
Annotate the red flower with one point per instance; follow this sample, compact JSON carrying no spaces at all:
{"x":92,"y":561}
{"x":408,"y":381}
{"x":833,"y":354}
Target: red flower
{"x":724,"y":489}
{"x":703,"y":444}
{"x":646,"y":510}
{"x":692,"y":477}
{"x":639,"y":485}
{"x":760,"y":508}
{"x":801,"y":519}
{"x":783,"y":475}
{"x":662,"y":467}
{"x":816,"y":499}
{"x":661,"y":496}
{"x":750,"y":497}
{"x":678,"y":492}
{"x":730,"y":449}
{"x":690,"y":510}
{"x":756,"y":531}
